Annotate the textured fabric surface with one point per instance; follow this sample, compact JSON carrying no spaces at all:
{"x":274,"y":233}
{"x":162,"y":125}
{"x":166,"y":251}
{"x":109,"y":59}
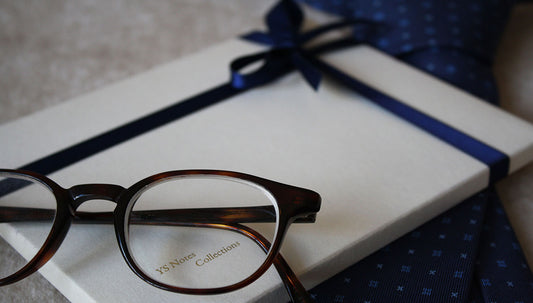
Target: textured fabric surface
{"x":430,"y":264}
{"x":53,"y":51}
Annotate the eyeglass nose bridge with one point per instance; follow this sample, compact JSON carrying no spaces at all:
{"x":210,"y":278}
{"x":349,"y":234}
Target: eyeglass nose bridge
{"x":85,"y":192}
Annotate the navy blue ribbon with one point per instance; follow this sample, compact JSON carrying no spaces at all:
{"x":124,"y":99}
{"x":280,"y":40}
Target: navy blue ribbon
{"x":286,"y":54}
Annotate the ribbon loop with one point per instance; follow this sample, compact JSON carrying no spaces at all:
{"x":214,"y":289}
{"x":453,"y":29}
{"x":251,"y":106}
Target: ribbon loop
{"x":275,"y":63}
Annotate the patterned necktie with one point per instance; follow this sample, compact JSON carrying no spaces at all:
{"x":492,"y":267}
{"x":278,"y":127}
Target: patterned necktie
{"x":470,"y":253}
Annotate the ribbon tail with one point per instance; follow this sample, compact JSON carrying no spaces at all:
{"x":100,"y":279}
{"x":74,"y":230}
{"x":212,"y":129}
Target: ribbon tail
{"x":258,"y":37}
{"x":311,"y":74}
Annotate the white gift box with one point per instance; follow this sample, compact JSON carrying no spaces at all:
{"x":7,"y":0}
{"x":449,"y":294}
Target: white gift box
{"x":379,"y":176}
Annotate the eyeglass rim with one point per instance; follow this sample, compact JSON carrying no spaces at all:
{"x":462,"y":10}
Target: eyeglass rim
{"x":279,"y":191}
{"x":55,"y":237}
{"x":282,"y":193}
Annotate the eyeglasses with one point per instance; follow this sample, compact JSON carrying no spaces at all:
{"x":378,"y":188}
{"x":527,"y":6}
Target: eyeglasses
{"x":188,"y":231}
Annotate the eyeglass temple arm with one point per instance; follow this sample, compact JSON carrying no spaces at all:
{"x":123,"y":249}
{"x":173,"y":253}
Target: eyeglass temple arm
{"x":293,"y":286}
{"x":223,"y":215}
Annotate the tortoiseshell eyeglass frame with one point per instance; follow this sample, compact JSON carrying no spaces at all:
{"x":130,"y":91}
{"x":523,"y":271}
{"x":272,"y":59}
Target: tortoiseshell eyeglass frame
{"x":294,"y":205}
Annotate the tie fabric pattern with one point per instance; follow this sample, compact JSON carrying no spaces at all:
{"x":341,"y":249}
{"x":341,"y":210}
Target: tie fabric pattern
{"x":433,"y":263}
{"x":470,"y":253}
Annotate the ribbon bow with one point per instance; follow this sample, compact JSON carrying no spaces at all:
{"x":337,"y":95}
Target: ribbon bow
{"x":284,"y":22}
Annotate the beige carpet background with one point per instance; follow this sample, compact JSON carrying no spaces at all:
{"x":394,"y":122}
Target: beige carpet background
{"x":51,"y":51}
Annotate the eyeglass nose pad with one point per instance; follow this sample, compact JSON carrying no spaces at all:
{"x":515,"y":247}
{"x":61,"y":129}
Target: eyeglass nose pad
{"x":86,"y":192}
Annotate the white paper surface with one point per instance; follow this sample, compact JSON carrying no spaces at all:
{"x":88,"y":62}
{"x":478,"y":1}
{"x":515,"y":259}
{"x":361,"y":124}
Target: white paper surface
{"x":379,"y":177}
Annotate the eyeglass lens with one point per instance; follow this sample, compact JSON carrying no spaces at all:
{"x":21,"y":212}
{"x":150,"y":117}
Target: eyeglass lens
{"x":198,"y":251}
{"x":37,"y":223}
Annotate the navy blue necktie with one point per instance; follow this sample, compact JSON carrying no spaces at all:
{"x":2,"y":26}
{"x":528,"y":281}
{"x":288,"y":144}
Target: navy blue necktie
{"x":470,"y":253}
